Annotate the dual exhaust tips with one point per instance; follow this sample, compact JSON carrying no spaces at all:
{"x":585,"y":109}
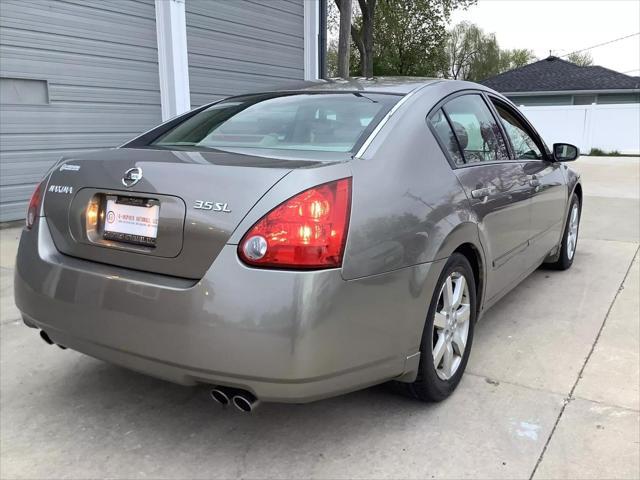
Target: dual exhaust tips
{"x":242,"y":400}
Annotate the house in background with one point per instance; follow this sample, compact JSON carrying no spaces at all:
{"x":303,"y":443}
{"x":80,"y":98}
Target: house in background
{"x":554,"y":81}
{"x":79,"y":75}
{"x":591,"y":107}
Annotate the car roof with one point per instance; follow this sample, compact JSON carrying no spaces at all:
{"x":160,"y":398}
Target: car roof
{"x":396,"y":85}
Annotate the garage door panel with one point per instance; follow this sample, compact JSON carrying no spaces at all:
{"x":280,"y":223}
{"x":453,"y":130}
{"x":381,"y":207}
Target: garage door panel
{"x":78,"y":69}
{"x":287,"y":21}
{"x":203,"y":64}
{"x":74,"y":120}
{"x":249,"y":50}
{"x":230,"y":83}
{"x":86,"y":20}
{"x":243,"y":46}
{"x":98,"y":60}
{"x":48,"y":141}
{"x":99,"y":94}
{"x":64,"y":44}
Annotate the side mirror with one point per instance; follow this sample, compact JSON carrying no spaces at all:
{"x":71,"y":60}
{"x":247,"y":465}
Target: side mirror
{"x":565,"y":152}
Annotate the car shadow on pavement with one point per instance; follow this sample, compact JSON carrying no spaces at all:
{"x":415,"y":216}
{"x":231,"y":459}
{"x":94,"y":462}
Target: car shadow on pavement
{"x":100,"y":394}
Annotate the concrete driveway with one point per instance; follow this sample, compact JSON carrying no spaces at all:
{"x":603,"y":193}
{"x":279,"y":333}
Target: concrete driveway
{"x":552,"y":390}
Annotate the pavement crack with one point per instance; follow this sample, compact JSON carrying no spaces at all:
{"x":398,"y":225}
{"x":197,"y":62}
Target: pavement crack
{"x":570,"y":397}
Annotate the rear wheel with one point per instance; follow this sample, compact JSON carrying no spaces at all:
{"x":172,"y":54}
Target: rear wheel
{"x":448,"y":333}
{"x":570,"y":237}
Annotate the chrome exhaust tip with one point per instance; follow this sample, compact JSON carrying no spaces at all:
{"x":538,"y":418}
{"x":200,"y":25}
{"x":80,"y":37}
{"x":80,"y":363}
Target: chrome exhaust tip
{"x":219,"y":395}
{"x":245,"y":402}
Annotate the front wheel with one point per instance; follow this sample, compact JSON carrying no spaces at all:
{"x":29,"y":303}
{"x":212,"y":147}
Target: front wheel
{"x":570,"y":237}
{"x":448,"y":333}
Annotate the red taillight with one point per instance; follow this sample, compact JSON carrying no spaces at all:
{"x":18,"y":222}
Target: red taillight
{"x":34,"y":206}
{"x":307,"y":231}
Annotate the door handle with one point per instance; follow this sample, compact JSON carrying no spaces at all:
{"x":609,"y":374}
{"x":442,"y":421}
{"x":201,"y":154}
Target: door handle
{"x":534,"y":181}
{"x":483,"y":192}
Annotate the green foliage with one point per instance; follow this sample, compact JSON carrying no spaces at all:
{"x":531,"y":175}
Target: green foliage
{"x":409,"y":37}
{"x":581,"y":59}
{"x":516,"y":58}
{"x":598,"y":152}
{"x":331,"y":59}
{"x":475,"y":55}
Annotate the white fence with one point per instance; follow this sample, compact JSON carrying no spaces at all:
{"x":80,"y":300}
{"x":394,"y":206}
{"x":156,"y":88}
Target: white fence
{"x":607,"y":127}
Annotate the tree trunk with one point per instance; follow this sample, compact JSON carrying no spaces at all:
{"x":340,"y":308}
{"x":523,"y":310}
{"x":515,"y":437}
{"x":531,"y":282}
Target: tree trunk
{"x":368,"y":14}
{"x":356,"y":36}
{"x":344,"y":39}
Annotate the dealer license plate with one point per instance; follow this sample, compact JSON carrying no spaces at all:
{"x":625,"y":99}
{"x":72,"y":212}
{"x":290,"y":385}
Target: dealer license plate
{"x":132,"y":220}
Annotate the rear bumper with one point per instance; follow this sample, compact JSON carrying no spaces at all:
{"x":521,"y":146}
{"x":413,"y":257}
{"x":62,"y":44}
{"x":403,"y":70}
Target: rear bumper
{"x":285,"y":336}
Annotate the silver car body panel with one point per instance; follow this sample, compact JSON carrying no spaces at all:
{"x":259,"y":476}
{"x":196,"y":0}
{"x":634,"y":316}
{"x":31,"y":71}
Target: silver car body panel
{"x":197,"y":314}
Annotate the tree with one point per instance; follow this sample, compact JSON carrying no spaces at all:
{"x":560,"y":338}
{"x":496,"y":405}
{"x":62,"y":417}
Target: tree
{"x":361,"y":30}
{"x":401,"y":37}
{"x":410,"y":37}
{"x":461,"y":49}
{"x":472,"y":54}
{"x":516,"y":58}
{"x":344,"y":45}
{"x":486,"y":62}
{"x":581,"y":59}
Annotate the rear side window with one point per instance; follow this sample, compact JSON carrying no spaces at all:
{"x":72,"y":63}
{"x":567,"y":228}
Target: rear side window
{"x":446,"y":137}
{"x":301,"y":121}
{"x":477,"y":132}
{"x":524,"y":146}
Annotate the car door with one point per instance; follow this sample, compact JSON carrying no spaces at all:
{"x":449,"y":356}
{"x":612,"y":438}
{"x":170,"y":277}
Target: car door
{"x":467,"y":130}
{"x":545,"y":179}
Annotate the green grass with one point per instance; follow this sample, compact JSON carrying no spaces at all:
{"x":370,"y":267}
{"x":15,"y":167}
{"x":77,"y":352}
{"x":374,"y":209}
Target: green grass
{"x":598,"y":152}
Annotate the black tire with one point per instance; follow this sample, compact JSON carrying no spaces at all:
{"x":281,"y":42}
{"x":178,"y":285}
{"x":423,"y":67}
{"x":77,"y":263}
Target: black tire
{"x":428,"y":386}
{"x":565,"y":258}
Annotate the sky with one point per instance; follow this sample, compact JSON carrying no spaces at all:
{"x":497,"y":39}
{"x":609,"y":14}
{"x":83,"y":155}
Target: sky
{"x":563,"y":26}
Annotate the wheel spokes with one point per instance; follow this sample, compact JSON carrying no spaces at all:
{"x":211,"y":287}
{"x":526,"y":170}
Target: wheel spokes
{"x":459,"y":342}
{"x":438,"y":350}
{"x":463,"y":313}
{"x":440,"y":320}
{"x":458,"y":292}
{"x":447,"y":294}
{"x":451,"y":322}
{"x":447,"y":361}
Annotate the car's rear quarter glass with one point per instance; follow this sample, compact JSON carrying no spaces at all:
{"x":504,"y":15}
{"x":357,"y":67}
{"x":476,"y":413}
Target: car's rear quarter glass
{"x":326,"y":122}
{"x":448,"y":141}
{"x":477,"y":132}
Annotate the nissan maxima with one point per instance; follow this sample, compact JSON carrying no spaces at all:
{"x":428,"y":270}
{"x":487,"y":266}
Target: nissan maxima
{"x":298,"y":244}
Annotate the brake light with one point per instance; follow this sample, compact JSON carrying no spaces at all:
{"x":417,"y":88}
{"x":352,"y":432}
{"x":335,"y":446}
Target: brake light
{"x":308,"y":231}
{"x":34,"y":206}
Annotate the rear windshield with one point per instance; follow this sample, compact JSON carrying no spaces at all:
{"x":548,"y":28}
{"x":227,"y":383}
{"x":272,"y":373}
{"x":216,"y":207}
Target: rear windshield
{"x":328,"y":122}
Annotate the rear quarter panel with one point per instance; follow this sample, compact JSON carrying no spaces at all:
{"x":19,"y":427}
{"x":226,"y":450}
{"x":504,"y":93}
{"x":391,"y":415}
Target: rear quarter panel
{"x":408,"y":206}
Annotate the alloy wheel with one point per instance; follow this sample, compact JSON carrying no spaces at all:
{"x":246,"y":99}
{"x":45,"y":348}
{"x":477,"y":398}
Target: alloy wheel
{"x":572,"y":237}
{"x":451,"y":325}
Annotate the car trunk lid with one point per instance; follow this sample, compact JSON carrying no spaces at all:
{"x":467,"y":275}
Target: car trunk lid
{"x":201,"y":197}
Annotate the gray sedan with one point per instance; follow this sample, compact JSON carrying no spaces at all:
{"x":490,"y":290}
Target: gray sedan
{"x":298,"y":244}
